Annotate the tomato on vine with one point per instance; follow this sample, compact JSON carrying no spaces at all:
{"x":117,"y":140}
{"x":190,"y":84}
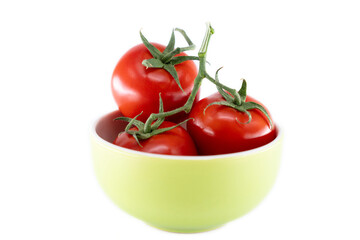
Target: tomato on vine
{"x":149,"y":69}
{"x":163,"y":137}
{"x":223,"y":123}
{"x":175,"y":141}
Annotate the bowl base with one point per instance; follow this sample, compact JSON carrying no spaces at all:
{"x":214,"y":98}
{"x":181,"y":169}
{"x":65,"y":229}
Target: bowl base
{"x":186,"y":230}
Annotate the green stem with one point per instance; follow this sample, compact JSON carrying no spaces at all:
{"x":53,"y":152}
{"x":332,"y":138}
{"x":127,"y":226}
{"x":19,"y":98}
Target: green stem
{"x":204,"y":46}
{"x":178,"y":50}
{"x":233,"y":92}
{"x":186,"y":108}
{"x":197,"y":82}
{"x":190,"y":43}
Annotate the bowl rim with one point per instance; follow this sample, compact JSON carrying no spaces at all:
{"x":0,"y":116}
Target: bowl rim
{"x":183,"y":157}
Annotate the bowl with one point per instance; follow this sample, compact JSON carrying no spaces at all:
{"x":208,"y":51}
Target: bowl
{"x":182,"y":193}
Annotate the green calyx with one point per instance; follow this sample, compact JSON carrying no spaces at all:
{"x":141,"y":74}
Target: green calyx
{"x":167,"y":59}
{"x":141,"y":133}
{"x":236,"y":100}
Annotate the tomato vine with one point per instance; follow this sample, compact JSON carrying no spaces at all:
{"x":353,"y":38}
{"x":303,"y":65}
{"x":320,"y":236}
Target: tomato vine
{"x":232,"y":98}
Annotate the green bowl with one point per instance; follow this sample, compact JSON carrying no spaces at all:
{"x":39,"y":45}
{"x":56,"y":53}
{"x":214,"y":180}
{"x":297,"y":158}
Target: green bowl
{"x":182,"y":193}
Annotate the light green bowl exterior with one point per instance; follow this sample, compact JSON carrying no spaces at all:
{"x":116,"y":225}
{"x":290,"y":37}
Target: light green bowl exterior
{"x":185,"y":194}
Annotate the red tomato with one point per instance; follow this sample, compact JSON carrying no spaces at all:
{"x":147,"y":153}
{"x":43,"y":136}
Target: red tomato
{"x":136,"y":88}
{"x":223,"y":130}
{"x":173,"y":142}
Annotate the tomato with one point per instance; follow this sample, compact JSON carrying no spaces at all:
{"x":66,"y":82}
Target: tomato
{"x":224,"y":129}
{"x":136,"y":88}
{"x":173,"y":142}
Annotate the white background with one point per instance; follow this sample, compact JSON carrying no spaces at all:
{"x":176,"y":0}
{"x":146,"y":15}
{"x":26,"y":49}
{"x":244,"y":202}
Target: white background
{"x":300,"y":58}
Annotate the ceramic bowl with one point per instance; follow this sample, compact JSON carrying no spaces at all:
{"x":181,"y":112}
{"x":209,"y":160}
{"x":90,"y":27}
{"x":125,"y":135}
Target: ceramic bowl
{"x":182,"y":193}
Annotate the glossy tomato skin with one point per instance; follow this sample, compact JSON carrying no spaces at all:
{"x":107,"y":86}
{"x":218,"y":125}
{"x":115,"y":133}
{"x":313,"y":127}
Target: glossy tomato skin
{"x":173,"y":142}
{"x":218,"y":132}
{"x":136,"y":88}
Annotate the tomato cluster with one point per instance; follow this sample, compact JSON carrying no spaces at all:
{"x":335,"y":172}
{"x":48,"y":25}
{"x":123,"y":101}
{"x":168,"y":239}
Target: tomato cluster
{"x":156,"y":87}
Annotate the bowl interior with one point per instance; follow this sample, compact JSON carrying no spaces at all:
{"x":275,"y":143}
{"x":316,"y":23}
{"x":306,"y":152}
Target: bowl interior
{"x":107,"y":129}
